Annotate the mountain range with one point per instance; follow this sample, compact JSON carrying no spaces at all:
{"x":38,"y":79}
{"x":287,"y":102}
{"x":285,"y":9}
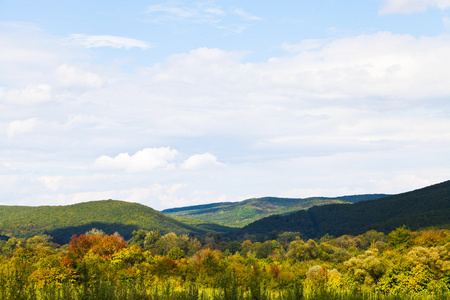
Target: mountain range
{"x":241,"y":213}
{"x":429,"y":206}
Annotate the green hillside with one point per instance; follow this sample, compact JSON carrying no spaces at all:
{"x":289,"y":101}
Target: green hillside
{"x":421,"y":208}
{"x":61,"y":222}
{"x":239,"y":214}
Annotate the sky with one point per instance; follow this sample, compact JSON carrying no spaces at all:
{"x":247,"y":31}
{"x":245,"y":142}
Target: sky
{"x":176,"y":103}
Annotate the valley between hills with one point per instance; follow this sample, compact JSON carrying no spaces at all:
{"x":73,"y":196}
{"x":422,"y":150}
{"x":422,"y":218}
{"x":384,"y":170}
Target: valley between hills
{"x":312,"y":217}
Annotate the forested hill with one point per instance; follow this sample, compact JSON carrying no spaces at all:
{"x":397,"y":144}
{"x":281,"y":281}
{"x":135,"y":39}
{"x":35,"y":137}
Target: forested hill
{"x":242,"y":213}
{"x":61,"y":222}
{"x":421,"y":208}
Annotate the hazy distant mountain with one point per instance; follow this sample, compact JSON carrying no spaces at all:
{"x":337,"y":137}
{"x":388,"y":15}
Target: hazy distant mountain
{"x":242,"y":213}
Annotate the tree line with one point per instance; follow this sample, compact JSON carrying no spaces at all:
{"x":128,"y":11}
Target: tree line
{"x":151,"y":265}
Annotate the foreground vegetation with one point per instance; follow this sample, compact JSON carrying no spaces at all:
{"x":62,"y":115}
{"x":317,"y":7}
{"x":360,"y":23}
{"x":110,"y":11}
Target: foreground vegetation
{"x":400,"y":265}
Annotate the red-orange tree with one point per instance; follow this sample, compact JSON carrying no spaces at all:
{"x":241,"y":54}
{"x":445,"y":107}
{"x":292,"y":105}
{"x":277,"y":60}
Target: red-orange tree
{"x":104,"y":246}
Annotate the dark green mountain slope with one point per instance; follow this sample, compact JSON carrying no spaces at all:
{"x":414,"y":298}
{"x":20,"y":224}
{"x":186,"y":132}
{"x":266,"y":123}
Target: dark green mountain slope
{"x":62,"y":222}
{"x":242,"y":213}
{"x":425,"y":207}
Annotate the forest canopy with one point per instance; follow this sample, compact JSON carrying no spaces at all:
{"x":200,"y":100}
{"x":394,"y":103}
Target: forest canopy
{"x":413,"y":265}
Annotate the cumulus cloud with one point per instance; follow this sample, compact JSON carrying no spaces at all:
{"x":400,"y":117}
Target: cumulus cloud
{"x":199,"y":161}
{"x":21,"y":127}
{"x":305,"y":45}
{"x":30,"y":95}
{"x":145,"y":160}
{"x":382,"y":65}
{"x":378,"y":65}
{"x":411,"y":6}
{"x":92,"y":41}
{"x":52,"y":183}
{"x":206,"y":67}
{"x":70,"y":76}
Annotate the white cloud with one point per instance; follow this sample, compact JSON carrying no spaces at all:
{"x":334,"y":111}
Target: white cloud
{"x":21,"y":43}
{"x":378,"y":65}
{"x":381,"y":94}
{"x":215,"y":11}
{"x":195,"y":13}
{"x":156,"y":196}
{"x":119,"y":162}
{"x":323,"y":192}
{"x":207,"y":68}
{"x":92,"y":41}
{"x":199,"y":161}
{"x":403,"y":182}
{"x":199,"y":12}
{"x":381,"y":65}
{"x":305,"y":45}
{"x":70,"y":76}
{"x":21,"y":127}
{"x":446,"y":22}
{"x":411,"y":6}
{"x":52,"y":183}
{"x":34,"y":94}
{"x":176,"y":11}
{"x":28,"y":54}
{"x":143,"y":161}
{"x":167,"y":195}
{"x":245,"y":15}
{"x":198,"y":197}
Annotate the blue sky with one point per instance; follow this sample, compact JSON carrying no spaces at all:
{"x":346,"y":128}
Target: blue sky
{"x":172,"y":103}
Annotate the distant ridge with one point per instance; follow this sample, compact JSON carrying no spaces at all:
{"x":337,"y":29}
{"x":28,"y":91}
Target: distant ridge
{"x":241,"y":213}
{"x":429,"y":206}
{"x":61,"y":222}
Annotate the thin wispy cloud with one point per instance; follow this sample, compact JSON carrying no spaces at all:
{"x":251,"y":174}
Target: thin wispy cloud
{"x":245,"y":15}
{"x":196,"y":13}
{"x":206,"y":12}
{"x":93,"y":41}
{"x":412,"y":6}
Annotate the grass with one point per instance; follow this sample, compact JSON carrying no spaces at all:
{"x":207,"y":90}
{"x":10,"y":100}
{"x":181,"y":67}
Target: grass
{"x":168,"y":291}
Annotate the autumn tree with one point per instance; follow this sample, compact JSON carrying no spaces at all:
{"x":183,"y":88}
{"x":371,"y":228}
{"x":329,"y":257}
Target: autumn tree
{"x":104,"y":246}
